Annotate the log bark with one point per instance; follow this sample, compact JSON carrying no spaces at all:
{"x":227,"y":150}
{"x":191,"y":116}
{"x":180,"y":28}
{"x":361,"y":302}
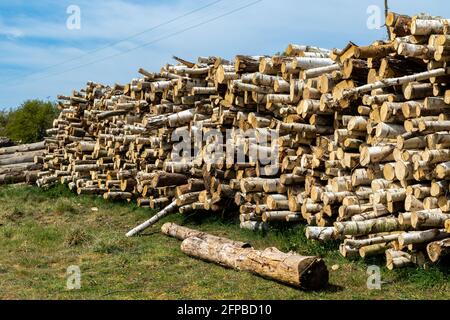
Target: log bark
{"x":417,"y":237}
{"x":23,"y":148}
{"x":360,"y":228}
{"x":320,"y":233}
{"x":438,"y":249}
{"x":429,"y":218}
{"x":182,"y":233}
{"x":166,"y":211}
{"x":359,"y":243}
{"x":309,"y":273}
{"x":393,"y":82}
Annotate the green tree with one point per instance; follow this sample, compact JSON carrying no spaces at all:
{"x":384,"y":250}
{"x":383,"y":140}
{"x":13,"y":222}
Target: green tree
{"x":3,"y":122}
{"x":28,"y":123}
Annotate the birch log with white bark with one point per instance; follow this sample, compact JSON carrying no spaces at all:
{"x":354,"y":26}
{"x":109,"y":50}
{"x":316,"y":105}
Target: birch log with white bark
{"x":181,"y":233}
{"x":23,"y":148}
{"x":416,"y":237}
{"x":166,"y":211}
{"x":393,"y":82}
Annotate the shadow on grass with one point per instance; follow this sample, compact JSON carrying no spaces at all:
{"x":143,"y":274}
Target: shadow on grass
{"x":331,"y":288}
{"x":225,"y":217}
{"x":150,"y":233}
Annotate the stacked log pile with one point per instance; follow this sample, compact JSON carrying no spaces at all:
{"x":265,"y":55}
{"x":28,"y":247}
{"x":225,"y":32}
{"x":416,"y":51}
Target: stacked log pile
{"x":390,"y":193}
{"x":21,"y":163}
{"x":355,"y":141}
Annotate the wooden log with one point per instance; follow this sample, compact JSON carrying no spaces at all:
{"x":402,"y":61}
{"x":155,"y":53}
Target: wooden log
{"x":417,"y":237}
{"x":166,"y":211}
{"x":276,"y":215}
{"x":359,"y":243}
{"x":254,"y":226}
{"x":187,"y":198}
{"x":397,"y":259}
{"x":182,"y":233}
{"x":438,"y":249}
{"x":376,"y":154}
{"x":320,"y":233}
{"x":392,"y":82}
{"x":308,"y":273}
{"x":373,"y":250}
{"x":165,"y":179}
{"x":360,"y":228}
{"x":23,"y":148}
{"x":428,"y":26}
{"x":348,"y":251}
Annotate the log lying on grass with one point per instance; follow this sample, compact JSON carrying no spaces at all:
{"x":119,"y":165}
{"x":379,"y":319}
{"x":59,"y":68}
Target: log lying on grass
{"x":181,"y":202}
{"x":309,"y":273}
{"x":167,"y":210}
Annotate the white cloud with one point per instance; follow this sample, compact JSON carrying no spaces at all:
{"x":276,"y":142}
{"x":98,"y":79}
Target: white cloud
{"x":10,"y":32}
{"x":112,"y":19}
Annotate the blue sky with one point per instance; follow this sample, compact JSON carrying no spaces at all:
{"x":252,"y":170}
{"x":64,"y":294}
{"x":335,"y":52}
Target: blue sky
{"x":34,"y":36}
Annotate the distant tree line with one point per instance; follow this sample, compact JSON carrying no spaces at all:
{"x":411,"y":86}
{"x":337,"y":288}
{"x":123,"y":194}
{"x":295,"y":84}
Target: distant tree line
{"x":28,"y":122}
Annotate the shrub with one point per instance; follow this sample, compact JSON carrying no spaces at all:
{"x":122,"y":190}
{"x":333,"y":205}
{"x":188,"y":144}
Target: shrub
{"x":28,"y":123}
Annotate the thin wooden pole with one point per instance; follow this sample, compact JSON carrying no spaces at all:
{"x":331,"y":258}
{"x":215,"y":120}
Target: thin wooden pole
{"x":386,"y":11}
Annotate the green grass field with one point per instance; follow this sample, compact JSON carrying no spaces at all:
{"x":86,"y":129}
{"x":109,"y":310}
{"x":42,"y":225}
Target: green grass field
{"x":42,"y":233}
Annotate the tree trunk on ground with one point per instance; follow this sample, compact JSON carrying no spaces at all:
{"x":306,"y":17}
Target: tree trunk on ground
{"x":182,"y":233}
{"x":309,"y":273}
